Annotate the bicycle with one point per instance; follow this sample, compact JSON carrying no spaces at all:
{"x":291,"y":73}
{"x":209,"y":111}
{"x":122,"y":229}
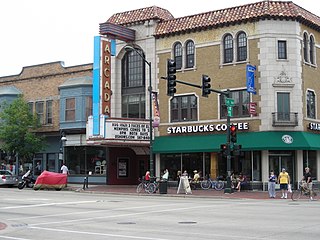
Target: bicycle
{"x":209,"y":183}
{"x":304,"y":192}
{"x":148,"y":187}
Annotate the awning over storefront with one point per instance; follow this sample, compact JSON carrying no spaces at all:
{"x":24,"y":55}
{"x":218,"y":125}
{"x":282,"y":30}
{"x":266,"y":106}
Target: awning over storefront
{"x":279,"y":140}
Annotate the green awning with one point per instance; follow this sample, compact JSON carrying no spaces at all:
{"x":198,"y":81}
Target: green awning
{"x":279,"y":140}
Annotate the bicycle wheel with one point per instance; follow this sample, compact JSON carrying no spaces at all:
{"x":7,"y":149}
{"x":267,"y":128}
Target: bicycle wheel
{"x":219,"y":185}
{"x":296,"y":195}
{"x":151,"y":188}
{"x":315,"y":194}
{"x":205,"y":184}
{"x":140,"y":187}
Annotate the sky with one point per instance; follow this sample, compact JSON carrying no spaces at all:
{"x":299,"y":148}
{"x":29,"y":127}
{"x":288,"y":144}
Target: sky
{"x":35,"y":32}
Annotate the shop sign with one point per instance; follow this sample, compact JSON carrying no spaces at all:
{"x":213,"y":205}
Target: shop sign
{"x":106,"y":77}
{"x":314,"y":126}
{"x":127,"y":130}
{"x":205,"y":128}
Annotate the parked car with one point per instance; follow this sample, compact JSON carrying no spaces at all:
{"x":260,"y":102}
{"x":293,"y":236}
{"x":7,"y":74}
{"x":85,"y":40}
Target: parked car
{"x":50,"y":180}
{"x":8,"y":178}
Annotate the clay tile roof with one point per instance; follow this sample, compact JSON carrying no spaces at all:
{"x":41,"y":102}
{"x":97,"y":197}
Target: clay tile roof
{"x":140,"y":15}
{"x":249,"y":12}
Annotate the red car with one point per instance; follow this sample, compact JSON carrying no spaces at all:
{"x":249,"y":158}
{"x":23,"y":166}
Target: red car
{"x":51,"y":180}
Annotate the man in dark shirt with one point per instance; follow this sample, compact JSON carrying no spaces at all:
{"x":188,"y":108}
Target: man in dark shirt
{"x":307,"y":181}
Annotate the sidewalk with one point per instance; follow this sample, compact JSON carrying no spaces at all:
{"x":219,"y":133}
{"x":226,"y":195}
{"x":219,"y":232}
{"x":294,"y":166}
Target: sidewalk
{"x":172,"y":191}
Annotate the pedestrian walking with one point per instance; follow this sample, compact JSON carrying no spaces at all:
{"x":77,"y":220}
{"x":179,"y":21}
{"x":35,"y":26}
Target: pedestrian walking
{"x":64,"y":169}
{"x":272,"y":185}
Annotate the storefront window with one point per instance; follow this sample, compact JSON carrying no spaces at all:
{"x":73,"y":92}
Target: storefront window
{"x":185,"y":162}
{"x":82,"y":160}
{"x":310,"y":160}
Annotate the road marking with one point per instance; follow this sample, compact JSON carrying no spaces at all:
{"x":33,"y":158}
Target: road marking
{"x":120,"y":215}
{"x":6,"y":237}
{"x":46,"y":204}
{"x":100,"y":234}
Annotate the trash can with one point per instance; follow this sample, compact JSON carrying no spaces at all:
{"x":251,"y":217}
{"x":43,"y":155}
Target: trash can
{"x":163,"y":187}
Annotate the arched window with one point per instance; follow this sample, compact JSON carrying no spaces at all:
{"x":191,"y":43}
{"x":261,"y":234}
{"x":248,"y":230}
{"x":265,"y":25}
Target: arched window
{"x":305,"y":47}
{"x":190,"y":54}
{"x":242,"y":46}
{"x":133,"y":85}
{"x":228,"y":48}
{"x":177,"y":50}
{"x":311,"y":50}
{"x":311,"y":104}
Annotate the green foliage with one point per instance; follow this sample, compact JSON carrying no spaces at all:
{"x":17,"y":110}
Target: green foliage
{"x":17,"y":130}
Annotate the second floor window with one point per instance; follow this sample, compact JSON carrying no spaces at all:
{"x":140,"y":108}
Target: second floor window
{"x":282,"y":49}
{"x":88,"y":106}
{"x":242,"y":46}
{"x":70,"y":114}
{"x":311,"y":104}
{"x":133,"y":85}
{"x":311,"y":50}
{"x":133,"y":106}
{"x":49,"y":112}
{"x":39,"y":112}
{"x":190,"y":54}
{"x":184,"y":108}
{"x":177,"y":51}
{"x":228,"y":48}
{"x":241,"y":104}
{"x":305,"y":47}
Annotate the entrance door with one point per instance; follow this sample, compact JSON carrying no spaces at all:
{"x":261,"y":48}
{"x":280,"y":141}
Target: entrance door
{"x":282,"y":160}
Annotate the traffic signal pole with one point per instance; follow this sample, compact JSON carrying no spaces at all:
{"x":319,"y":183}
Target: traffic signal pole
{"x":206,"y":90}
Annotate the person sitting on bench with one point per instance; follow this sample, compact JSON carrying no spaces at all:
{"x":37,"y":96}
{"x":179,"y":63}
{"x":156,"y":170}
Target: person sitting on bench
{"x":242,"y":181}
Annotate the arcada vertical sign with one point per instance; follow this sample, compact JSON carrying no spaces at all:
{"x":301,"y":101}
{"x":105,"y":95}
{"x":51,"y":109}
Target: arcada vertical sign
{"x":106,"y":77}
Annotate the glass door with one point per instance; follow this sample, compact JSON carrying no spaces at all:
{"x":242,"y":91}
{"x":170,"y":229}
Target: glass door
{"x":282,"y":160}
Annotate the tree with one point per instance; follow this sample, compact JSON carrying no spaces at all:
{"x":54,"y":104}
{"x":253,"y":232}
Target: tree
{"x":17,"y":130}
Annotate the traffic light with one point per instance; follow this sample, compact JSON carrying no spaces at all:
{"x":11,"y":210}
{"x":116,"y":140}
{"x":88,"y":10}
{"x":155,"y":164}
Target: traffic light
{"x":233,"y":133}
{"x":236,"y":149}
{"x":224,"y":149}
{"x":206,"y":85}
{"x":171,"y":77}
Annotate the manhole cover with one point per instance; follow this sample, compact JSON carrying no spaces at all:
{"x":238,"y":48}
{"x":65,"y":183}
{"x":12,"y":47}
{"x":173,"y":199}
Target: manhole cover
{"x":189,"y":222}
{"x":126,"y":223}
{"x":2,"y":226}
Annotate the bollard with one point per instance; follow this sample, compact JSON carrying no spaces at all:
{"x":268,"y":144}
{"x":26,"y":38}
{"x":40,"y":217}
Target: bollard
{"x":85,"y":183}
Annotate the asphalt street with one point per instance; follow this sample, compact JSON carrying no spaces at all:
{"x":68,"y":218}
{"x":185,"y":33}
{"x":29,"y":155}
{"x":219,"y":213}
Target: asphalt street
{"x":27,"y":214}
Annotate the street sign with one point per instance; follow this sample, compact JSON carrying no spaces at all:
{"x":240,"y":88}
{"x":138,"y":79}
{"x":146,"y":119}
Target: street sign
{"x":229,"y":102}
{"x":230,"y":111}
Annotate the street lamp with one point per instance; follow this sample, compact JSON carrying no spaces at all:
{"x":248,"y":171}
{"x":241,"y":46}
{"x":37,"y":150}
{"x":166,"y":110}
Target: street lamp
{"x":151,"y":162}
{"x":63,"y":140}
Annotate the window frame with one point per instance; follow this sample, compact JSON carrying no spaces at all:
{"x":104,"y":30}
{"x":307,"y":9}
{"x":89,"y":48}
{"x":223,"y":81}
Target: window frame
{"x":39,"y":114}
{"x":70,"y":113}
{"x":305,"y":47}
{"x":312,"y":50}
{"x":177,"y":55}
{"x":190,"y":111}
{"x":49,"y":112}
{"x":88,"y":106}
{"x":228,"y":48}
{"x":126,"y":104}
{"x":128,"y":89}
{"x":242,"y":49}
{"x":282,"y":50}
{"x":190,"y":50}
{"x":310,"y":106}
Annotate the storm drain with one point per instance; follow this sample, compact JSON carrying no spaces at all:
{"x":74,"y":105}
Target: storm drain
{"x":188,"y":222}
{"x":126,"y":223}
